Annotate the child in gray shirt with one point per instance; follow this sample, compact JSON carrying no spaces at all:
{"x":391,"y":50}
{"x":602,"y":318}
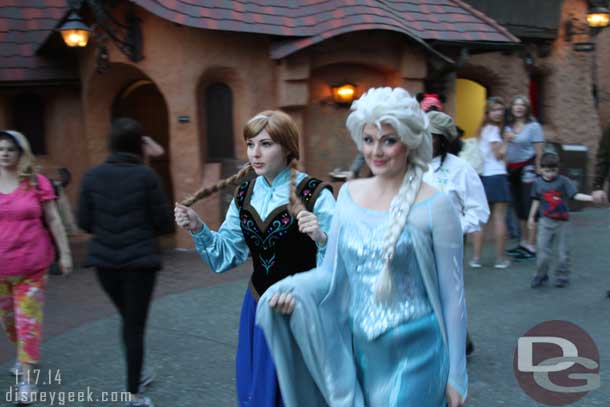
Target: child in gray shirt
{"x":550,"y":194}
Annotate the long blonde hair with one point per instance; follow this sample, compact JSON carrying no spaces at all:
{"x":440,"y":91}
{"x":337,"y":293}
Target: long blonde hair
{"x":25,"y":165}
{"x":282,"y":130}
{"x":398,"y":109}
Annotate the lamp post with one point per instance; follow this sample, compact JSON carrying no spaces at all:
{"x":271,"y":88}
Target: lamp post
{"x":126,"y":36}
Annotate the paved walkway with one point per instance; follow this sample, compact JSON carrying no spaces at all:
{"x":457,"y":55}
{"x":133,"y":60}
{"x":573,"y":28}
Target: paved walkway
{"x":193,"y":328}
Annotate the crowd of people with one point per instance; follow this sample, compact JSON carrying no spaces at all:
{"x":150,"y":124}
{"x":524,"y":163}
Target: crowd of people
{"x":353,"y":301}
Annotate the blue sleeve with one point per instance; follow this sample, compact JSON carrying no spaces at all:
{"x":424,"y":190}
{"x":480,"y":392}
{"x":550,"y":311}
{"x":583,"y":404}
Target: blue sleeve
{"x":225,"y":249}
{"x":324,"y":210}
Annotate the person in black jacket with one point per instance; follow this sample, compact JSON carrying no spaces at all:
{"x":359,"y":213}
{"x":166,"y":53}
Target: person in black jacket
{"x":122,"y":205}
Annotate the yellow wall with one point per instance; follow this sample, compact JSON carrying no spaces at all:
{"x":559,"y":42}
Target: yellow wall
{"x":469,"y":104}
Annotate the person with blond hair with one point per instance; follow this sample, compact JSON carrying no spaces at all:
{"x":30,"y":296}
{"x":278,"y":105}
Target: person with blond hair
{"x":281,"y":218}
{"x":382,"y":322}
{"x":495,"y":180}
{"x":27,"y":202}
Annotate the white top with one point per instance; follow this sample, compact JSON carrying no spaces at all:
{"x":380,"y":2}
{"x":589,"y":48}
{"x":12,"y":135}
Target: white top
{"x":491,"y":165}
{"x":461,"y":182}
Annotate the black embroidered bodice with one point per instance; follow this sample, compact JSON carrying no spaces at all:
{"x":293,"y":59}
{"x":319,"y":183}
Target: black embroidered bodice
{"x":277,"y":247}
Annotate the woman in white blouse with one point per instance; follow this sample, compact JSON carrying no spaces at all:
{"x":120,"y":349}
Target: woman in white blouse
{"x":494,"y":178}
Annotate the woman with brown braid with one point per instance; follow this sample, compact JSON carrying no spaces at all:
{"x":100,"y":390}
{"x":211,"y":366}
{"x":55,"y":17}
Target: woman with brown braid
{"x":281,"y":218}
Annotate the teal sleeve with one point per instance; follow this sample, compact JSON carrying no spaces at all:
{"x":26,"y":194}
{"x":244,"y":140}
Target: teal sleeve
{"x":324,"y":210}
{"x":225,"y":249}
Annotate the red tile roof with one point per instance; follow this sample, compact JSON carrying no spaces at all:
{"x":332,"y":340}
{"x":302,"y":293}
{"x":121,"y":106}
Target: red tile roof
{"x":317,"y":20}
{"x":24,"y":26}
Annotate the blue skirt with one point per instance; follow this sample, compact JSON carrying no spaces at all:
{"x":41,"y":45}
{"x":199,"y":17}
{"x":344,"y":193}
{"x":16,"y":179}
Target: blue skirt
{"x":406,"y":366}
{"x":496,"y":188}
{"x":256,"y":378}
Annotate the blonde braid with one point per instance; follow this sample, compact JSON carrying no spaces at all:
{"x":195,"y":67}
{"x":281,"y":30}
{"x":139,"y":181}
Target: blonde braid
{"x":399,"y":212}
{"x":207,"y":191}
{"x":295,"y":205}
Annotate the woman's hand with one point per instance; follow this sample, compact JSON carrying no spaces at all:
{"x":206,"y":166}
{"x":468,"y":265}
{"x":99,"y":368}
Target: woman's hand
{"x":308,"y":224}
{"x":65,"y":264}
{"x":283,"y":303}
{"x":453,"y":397}
{"x":599,"y":197}
{"x":531,"y":224}
{"x":508,"y":136}
{"x":187,"y":218}
{"x":151,"y":148}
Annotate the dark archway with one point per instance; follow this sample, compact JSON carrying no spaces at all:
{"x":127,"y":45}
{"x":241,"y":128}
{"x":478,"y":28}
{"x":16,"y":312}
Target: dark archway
{"x":216,"y":107}
{"x":142,"y":101}
{"x":29,"y":119}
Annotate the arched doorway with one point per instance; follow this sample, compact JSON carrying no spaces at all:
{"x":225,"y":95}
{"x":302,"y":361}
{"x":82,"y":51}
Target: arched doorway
{"x":470,"y":99}
{"x":142,"y":101}
{"x":219,"y":122}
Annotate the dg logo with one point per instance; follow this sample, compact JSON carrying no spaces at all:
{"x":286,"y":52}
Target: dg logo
{"x":556,"y":363}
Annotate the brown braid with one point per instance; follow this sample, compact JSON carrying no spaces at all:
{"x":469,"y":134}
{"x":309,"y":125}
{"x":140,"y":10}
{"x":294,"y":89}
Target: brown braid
{"x":295,"y":206}
{"x":207,"y":191}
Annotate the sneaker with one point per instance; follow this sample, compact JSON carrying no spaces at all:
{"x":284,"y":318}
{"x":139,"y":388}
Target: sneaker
{"x":140,"y":402}
{"x":502,"y":264}
{"x":475,"y":264}
{"x":16,"y":370}
{"x":524,"y":254}
{"x":25,"y":394}
{"x":515,"y":250}
{"x":538,"y":281}
{"x":561,"y":282}
{"x":146,"y":378}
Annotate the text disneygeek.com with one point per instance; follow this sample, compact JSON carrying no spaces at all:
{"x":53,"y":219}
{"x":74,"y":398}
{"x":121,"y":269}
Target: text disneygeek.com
{"x":60,"y":398}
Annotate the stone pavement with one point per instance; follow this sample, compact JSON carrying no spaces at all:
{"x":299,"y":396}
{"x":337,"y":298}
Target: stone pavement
{"x":192,"y":332}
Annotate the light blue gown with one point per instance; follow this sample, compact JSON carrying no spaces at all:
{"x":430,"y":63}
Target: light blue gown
{"x":342,"y":348}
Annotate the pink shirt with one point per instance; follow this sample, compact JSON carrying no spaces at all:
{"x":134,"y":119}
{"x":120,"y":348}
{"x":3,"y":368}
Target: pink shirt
{"x":25,"y":243}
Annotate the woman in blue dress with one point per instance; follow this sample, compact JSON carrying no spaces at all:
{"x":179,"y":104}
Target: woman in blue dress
{"x":382,"y":322}
{"x":281,"y":218}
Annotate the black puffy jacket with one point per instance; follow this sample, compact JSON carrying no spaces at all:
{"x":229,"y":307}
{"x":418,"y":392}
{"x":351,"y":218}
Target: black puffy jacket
{"x":122,"y":205}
